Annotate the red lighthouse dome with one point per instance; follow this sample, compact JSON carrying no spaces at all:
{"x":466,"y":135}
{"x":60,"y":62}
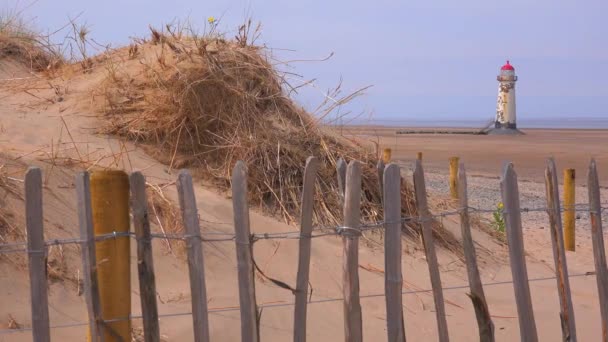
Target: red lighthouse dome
{"x":507,"y":66}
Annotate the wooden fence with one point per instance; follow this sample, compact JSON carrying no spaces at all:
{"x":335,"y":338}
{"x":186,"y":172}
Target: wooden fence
{"x":350,"y":186}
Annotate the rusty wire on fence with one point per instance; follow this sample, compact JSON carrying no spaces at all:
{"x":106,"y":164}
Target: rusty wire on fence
{"x":6,"y":248}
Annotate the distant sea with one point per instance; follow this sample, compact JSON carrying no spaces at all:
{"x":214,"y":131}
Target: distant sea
{"x":557,"y":123}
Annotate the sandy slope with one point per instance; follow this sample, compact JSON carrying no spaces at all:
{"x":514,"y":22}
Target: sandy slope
{"x":31,"y":124}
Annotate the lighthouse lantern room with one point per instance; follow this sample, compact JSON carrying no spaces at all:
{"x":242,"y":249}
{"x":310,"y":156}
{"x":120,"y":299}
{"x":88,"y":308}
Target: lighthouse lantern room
{"x":505,"y":105}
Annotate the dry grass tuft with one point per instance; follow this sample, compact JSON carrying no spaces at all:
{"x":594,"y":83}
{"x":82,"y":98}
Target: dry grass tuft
{"x":24,"y":45}
{"x":167,"y":216}
{"x":206,"y":102}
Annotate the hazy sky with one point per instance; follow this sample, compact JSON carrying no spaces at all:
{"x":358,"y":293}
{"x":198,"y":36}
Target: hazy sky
{"x":425,"y":59}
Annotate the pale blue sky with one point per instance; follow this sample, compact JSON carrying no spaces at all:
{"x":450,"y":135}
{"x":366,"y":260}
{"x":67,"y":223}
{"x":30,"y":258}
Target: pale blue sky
{"x":425,"y":59}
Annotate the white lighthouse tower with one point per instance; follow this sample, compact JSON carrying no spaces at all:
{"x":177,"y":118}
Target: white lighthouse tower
{"x":505,"y":105}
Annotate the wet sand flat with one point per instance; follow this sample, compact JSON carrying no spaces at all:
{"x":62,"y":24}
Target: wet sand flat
{"x":485,"y":154}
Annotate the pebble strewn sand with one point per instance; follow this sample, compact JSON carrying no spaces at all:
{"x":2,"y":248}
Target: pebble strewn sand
{"x":484,"y":193}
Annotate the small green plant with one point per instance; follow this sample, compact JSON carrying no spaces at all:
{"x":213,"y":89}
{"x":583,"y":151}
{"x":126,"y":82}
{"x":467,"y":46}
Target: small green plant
{"x":499,"y":221}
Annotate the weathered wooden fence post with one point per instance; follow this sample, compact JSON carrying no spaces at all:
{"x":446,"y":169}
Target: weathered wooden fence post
{"x":351,"y":231}
{"x":145,"y":263}
{"x":482,"y":313}
{"x":89,"y":260}
{"x":597,"y":238}
{"x":512,"y":217}
{"x":341,"y":172}
{"x":559,"y":254}
{"x":196,"y":265}
{"x":249,"y":311}
{"x":36,"y":255}
{"x":569,"y":209}
{"x":393,"y":278}
{"x":426,"y":222}
{"x":308,"y":196}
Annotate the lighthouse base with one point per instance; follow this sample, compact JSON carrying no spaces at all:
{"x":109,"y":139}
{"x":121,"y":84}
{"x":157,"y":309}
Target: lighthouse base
{"x":507,"y":128}
{"x":505,"y":131}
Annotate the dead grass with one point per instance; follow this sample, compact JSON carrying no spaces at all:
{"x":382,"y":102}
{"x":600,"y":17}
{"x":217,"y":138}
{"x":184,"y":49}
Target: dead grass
{"x":21,"y":43}
{"x":9,"y":230}
{"x":206,"y":102}
{"x":166,"y":215}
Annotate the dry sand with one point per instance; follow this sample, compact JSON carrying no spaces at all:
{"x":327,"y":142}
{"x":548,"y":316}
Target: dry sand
{"x":30,"y":124}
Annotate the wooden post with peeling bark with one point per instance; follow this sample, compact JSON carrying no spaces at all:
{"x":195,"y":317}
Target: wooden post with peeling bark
{"x":559,"y":254}
{"x":515,"y":241}
{"x":597,"y":238}
{"x":426,"y":223}
{"x":341,"y":174}
{"x":36,"y":255}
{"x":393,"y":278}
{"x":350,"y":237}
{"x":482,"y":313}
{"x":89,"y":258}
{"x":308,"y":196}
{"x":145,"y":263}
{"x":249,"y":311}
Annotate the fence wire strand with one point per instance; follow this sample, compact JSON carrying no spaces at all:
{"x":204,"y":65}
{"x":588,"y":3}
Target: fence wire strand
{"x":13,"y":247}
{"x":277,"y":305}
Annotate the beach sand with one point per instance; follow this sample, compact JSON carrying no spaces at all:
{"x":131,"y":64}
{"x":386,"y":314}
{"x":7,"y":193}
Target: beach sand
{"x":485,"y":154}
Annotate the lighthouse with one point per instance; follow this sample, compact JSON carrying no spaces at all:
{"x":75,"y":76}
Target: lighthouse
{"x":505,"y":105}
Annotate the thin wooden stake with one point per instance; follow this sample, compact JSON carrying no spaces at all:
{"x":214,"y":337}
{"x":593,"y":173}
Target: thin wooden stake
{"x":393,"y":278}
{"x":597,"y":238}
{"x":512,"y":217}
{"x":386,"y":155}
{"x":89,"y":259}
{"x":249,"y":317}
{"x":482,"y":313}
{"x":196,"y":265}
{"x":454,"y":177}
{"x":308,"y":194}
{"x":145,"y":263}
{"x":350,"y":282}
{"x":429,"y":248}
{"x":36,"y":255}
{"x":559,"y":254}
{"x":341,"y":172}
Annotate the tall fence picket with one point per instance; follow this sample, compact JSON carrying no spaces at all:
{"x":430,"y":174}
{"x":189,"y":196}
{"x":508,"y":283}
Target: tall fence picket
{"x":341,"y":174}
{"x":597,"y":238}
{"x":196,"y":266}
{"x":89,"y":259}
{"x":512,"y":217}
{"x":249,"y":315}
{"x":482,"y":313}
{"x":393,"y":278}
{"x":559,"y":254}
{"x":37,"y":255}
{"x":145,"y":263}
{"x":308,"y":193}
{"x":429,"y":248}
{"x":351,"y":231}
